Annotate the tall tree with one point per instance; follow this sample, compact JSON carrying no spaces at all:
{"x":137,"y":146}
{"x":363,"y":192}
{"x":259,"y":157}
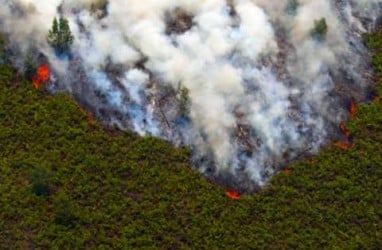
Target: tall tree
{"x":319,"y":30}
{"x":59,"y":36}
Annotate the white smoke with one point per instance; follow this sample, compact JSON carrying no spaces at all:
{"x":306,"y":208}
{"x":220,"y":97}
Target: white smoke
{"x":263,"y":91}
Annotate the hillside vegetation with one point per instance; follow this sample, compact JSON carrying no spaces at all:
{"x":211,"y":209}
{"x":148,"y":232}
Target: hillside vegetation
{"x":69,"y":183}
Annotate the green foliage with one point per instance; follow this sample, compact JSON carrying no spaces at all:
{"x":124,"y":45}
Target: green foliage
{"x":40,"y":189}
{"x":60,"y":37}
{"x":40,"y":182}
{"x":65,"y":216}
{"x":319,"y":30}
{"x":30,"y":67}
{"x":112,"y":190}
{"x":374,"y":41}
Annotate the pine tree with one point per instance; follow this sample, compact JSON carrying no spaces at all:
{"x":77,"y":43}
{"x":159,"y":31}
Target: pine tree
{"x":30,"y":66}
{"x":319,"y":30}
{"x":184,"y":101}
{"x":60,"y":37}
{"x":292,"y":7}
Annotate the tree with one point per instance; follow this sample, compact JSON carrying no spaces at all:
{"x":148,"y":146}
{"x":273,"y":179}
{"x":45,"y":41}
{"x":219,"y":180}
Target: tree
{"x":60,"y":37}
{"x":30,"y":66}
{"x":319,"y":30}
{"x":40,"y":182}
{"x":184,"y":101}
{"x":292,"y":7}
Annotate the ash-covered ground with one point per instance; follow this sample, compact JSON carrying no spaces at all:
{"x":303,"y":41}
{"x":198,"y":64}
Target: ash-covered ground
{"x":244,"y":83}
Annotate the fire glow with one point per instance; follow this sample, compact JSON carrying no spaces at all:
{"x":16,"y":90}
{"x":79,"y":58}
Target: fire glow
{"x":42,"y":76}
{"x":234,"y":195}
{"x":287,"y":171}
{"x":344,"y":130}
{"x":342,"y":144}
{"x":352,"y":109}
{"x":244,"y":84}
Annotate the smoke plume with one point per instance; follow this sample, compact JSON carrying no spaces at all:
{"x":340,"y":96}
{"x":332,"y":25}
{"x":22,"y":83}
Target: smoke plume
{"x":243,"y":83}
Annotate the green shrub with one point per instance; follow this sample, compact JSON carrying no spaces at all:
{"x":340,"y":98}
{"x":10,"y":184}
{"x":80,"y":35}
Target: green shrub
{"x":65,"y":217}
{"x":40,"y":182}
{"x":40,"y":189}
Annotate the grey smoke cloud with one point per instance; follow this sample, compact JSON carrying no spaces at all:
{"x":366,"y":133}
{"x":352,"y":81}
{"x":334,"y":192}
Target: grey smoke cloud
{"x":262,"y":90}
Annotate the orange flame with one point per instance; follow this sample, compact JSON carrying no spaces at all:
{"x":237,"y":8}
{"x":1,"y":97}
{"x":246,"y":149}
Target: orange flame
{"x":42,"y":76}
{"x":287,"y":170}
{"x":91,"y":119}
{"x":232,"y":194}
{"x":342,"y":145}
{"x":344,"y":130}
{"x":89,"y":116}
{"x":352,"y":109}
{"x":312,"y":161}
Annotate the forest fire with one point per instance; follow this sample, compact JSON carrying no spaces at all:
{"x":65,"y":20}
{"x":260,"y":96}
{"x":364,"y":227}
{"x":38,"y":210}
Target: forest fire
{"x":281,"y":79}
{"x":42,"y":76}
{"x":234,"y":195}
{"x":344,"y":130}
{"x":346,"y":133}
{"x":343,"y":145}
{"x":89,"y":116}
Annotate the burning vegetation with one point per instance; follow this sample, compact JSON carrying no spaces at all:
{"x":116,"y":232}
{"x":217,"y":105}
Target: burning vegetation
{"x":234,"y":195}
{"x":344,"y":130}
{"x":352,"y":109}
{"x":41,"y":77}
{"x":249,"y":86}
{"x":67,"y":177}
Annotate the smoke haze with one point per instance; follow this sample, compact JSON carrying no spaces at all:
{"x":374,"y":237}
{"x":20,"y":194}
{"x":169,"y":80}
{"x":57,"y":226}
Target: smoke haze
{"x":262,"y":90}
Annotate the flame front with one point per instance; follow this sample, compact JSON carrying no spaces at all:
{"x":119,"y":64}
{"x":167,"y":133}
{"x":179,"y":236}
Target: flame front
{"x":233,"y":194}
